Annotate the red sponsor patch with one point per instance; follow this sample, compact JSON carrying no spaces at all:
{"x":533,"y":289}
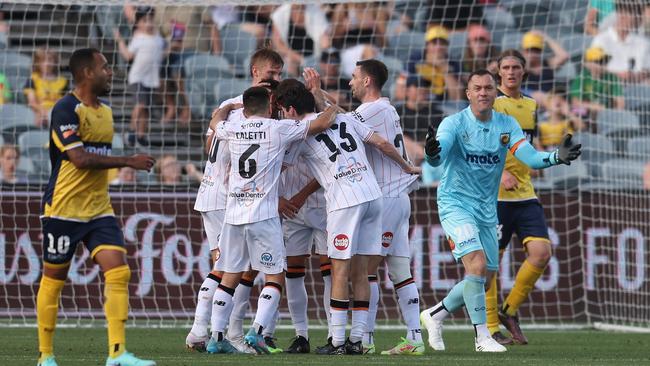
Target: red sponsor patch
{"x":68,"y":133}
{"x":341,"y":242}
{"x":452,"y":245}
{"x":386,"y":239}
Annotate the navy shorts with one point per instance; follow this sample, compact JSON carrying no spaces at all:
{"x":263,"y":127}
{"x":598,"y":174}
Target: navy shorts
{"x":526,"y":218}
{"x":60,"y":238}
{"x":141,"y":94}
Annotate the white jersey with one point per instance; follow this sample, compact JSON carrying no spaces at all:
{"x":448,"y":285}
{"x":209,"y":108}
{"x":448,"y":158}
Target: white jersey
{"x":296,"y":176}
{"x":383,"y":119}
{"x":214,"y":184}
{"x":257,"y":148}
{"x":338,"y":161}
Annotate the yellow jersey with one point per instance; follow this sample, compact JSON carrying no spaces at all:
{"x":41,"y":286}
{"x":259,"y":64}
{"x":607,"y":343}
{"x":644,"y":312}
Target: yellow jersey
{"x":78,"y":194}
{"x":524,"y":110}
{"x":552,"y":133}
{"x":48,"y":91}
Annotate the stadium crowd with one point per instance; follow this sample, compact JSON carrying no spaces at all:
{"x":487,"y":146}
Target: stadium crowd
{"x":596,"y":87}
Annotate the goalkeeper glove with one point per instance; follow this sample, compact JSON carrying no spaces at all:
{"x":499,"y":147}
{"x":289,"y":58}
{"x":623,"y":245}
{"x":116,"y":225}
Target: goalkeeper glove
{"x":568,"y":151}
{"x":432,"y":147}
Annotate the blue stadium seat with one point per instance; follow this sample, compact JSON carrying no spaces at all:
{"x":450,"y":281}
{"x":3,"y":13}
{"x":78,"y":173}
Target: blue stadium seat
{"x":229,"y":88}
{"x":638,"y":148}
{"x":575,"y":44}
{"x":511,"y":40}
{"x":636,"y":95}
{"x":238,"y":46}
{"x":613,"y":120}
{"x":34,"y":145}
{"x":401,"y":45}
{"x":457,"y":44}
{"x":595,"y":150}
{"x":568,"y":176}
{"x":203,"y":65}
{"x":14,"y":119}
{"x":18,"y":69}
{"x":625,"y":173}
{"x":498,"y":17}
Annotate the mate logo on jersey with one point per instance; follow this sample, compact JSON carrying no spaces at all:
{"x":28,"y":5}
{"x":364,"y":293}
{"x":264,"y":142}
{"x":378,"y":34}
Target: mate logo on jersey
{"x":386,"y":239}
{"x":248,"y":194}
{"x":341,"y":242}
{"x":99,"y":150}
{"x":488,"y":159}
{"x":351,"y":170}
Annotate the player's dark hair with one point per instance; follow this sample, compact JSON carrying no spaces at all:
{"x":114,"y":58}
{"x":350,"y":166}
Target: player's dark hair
{"x":515,"y":54}
{"x":256,"y":100}
{"x":481,"y":72}
{"x":293,"y":93}
{"x":273,"y":84}
{"x":377,"y":71}
{"x":81,"y":59}
{"x":265,"y":55}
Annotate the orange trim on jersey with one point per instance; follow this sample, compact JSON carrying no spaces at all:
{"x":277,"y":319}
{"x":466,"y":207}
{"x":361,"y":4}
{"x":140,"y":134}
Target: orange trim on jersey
{"x":106,"y":247}
{"x":56,"y":266}
{"x":528,"y":239}
{"x":516,"y":145}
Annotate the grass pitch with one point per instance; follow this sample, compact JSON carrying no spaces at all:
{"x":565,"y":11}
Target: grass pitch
{"x":166,"y":346}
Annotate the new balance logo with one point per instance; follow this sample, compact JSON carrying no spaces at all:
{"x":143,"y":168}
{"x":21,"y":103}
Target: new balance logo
{"x":204,"y":289}
{"x":266,"y":296}
{"x":413,"y":301}
{"x":482,"y":308}
{"x":219,"y":303}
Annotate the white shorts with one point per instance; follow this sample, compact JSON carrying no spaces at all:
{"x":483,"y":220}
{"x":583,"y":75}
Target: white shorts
{"x":395,"y":226}
{"x":258,"y":245}
{"x":355,"y":230}
{"x":307,"y":228}
{"x":213,"y":224}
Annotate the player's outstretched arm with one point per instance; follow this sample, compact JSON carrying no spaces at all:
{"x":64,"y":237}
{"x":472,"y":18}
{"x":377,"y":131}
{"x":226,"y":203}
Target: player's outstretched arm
{"x":312,"y":82}
{"x":324,"y":120}
{"x":83,"y":159}
{"x":565,"y":154}
{"x":298,"y":200}
{"x":391,"y":152}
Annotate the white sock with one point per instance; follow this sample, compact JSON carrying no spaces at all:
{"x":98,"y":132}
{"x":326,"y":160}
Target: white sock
{"x":240,"y":300}
{"x":408,"y":298}
{"x":327,"y":294}
{"x":359,"y":320}
{"x":269,"y":331}
{"x":267,"y":305}
{"x":204,"y":305}
{"x":297,"y":301}
{"x":481,"y":330}
{"x":339,"y":320}
{"x":438,"y":312}
{"x":368,"y":334}
{"x":221,"y":308}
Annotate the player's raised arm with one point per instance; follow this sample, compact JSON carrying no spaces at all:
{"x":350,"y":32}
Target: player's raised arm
{"x":438,"y":143}
{"x":324,"y":120}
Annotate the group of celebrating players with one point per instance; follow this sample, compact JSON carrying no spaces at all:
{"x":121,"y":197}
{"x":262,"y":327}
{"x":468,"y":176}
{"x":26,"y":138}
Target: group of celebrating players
{"x":288,"y":170}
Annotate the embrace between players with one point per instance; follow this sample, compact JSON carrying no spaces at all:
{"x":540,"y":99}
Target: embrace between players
{"x":344,"y":189}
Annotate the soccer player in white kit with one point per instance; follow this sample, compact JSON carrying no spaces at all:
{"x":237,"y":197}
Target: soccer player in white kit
{"x":252,"y":235}
{"x":378,"y":114}
{"x":339,"y":163}
{"x":266,"y":67}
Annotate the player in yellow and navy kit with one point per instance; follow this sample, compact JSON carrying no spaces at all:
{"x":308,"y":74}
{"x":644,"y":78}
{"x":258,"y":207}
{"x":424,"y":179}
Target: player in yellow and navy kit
{"x":77,"y":207}
{"x":518,"y":208}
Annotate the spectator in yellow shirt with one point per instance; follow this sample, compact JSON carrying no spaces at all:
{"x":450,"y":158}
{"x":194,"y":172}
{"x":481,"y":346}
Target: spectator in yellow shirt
{"x":560,"y":121}
{"x":46,"y":86}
